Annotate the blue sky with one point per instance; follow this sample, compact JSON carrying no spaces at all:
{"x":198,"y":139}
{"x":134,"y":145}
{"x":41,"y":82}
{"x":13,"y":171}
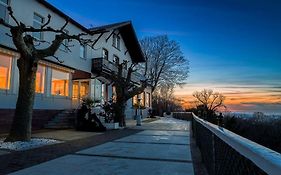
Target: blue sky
{"x":234,"y":46}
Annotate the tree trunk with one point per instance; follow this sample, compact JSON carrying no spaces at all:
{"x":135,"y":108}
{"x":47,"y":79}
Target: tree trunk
{"x":120,"y":115}
{"x":21,"y":126}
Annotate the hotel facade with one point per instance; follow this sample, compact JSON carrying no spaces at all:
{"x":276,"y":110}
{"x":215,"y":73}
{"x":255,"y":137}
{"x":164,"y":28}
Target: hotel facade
{"x":61,"y":86}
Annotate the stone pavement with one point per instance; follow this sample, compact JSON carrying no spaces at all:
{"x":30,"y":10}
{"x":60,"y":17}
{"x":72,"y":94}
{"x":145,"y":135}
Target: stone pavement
{"x":162,"y":148}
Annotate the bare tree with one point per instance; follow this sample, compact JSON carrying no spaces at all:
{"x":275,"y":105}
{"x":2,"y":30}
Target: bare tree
{"x":165,"y":63}
{"x":125,"y":89}
{"x":209,"y":100}
{"x":28,"y":64}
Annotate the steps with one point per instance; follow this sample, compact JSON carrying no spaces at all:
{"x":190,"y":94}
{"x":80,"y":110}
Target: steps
{"x":63,"y":120}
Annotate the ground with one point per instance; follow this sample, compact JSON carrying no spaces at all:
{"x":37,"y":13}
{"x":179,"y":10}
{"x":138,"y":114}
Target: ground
{"x":159,"y":147}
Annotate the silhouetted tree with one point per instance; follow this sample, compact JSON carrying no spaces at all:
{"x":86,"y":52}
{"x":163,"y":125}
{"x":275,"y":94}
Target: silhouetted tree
{"x":209,"y":101}
{"x":165,"y":63}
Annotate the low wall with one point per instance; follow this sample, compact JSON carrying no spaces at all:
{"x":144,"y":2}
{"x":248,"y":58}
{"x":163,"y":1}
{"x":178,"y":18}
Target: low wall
{"x":182,"y":115}
{"x":40,"y":117}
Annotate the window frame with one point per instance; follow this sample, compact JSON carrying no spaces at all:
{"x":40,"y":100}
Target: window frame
{"x":64,"y":44}
{"x":43,"y":81}
{"x":66,"y":85}
{"x":9,"y":73}
{"x":104,"y":50}
{"x":6,"y":18}
{"x":40,"y":23}
{"x":116,"y":41}
{"x":84,"y":56}
{"x":115,"y":57}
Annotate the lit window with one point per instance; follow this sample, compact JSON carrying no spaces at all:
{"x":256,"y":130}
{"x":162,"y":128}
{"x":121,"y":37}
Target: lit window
{"x":135,"y":100}
{"x":5,"y":69}
{"x":116,"y":41}
{"x":60,"y":81}
{"x":75,"y":89}
{"x":142,"y":95}
{"x":114,"y":96}
{"x":40,"y":79}
{"x":37,"y":24}
{"x":104,"y":54}
{"x":82,"y":51}
{"x":84,"y":89}
{"x":147,"y":99}
{"x":3,"y":9}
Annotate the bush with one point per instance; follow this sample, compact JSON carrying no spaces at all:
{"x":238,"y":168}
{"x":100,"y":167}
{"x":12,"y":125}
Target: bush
{"x":266,"y":131}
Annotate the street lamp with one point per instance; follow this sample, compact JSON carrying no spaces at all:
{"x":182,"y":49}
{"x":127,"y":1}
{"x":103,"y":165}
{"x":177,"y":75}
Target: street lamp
{"x":139,"y":112}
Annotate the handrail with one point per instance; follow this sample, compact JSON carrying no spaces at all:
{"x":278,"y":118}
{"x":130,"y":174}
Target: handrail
{"x":265,"y":158}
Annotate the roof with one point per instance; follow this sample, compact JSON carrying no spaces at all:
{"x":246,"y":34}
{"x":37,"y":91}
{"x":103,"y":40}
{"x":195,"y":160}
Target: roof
{"x":60,"y":13}
{"x":129,"y":36}
{"x":125,"y":28}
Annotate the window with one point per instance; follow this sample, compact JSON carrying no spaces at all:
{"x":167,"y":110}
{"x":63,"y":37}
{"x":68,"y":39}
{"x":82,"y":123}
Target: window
{"x":83,"y":51}
{"x":75,"y":89}
{"x":64,"y":43}
{"x":114,"y":96}
{"x":147,"y":99}
{"x":40,"y":79}
{"x":84,"y":89}
{"x":142,"y":95}
{"x":104,"y":54}
{"x":37,"y":24}
{"x":116,"y":41}
{"x":135,"y":100}
{"x":60,"y":81}
{"x":116,"y":59}
{"x":3,"y":9}
{"x":5,"y":71}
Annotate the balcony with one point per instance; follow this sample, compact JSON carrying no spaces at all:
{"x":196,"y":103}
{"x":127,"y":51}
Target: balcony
{"x":103,"y":68}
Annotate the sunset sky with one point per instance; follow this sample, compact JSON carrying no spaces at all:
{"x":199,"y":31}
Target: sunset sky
{"x":234,"y":46}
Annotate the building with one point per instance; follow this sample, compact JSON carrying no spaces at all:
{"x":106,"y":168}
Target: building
{"x":60,"y":86}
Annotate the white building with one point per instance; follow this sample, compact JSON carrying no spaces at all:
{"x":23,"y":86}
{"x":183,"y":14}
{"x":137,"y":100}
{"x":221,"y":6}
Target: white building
{"x":60,"y":86}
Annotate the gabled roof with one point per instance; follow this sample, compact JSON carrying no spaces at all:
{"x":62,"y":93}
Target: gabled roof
{"x":129,"y":36}
{"x":125,"y":28}
{"x":60,"y":13}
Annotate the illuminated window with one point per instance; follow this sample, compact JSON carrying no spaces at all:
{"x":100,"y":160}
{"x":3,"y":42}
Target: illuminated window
{"x":135,"y":100}
{"x":147,"y":99}
{"x":40,"y":79}
{"x":37,"y":24}
{"x":114,"y":94}
{"x":104,"y":54}
{"x":4,"y":10}
{"x":60,"y":81}
{"x":142,"y":95}
{"x":5,"y":69}
{"x":84,"y":89}
{"x":75,"y":89}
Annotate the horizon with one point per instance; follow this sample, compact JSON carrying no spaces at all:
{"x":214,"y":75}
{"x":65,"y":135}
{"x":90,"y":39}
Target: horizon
{"x":233,"y":46}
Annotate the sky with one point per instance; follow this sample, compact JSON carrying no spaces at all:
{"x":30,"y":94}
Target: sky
{"x":233,"y":46}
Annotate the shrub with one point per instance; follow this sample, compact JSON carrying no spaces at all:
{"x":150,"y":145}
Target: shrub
{"x":266,"y":131}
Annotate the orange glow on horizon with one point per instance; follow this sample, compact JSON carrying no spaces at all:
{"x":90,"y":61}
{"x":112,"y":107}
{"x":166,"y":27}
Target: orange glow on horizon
{"x":237,"y":99}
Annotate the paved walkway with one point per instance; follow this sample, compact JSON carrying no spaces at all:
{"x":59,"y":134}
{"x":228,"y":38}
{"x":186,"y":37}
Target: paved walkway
{"x":162,"y":148}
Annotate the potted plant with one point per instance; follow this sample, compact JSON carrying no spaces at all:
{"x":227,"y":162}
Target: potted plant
{"x":109,"y":116}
